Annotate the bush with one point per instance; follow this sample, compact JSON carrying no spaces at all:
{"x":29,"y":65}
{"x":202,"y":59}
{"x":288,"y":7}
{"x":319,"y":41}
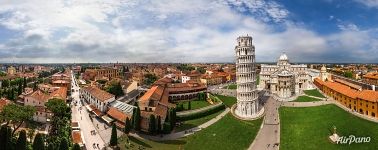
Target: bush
{"x":167,"y":128}
{"x":200,"y":114}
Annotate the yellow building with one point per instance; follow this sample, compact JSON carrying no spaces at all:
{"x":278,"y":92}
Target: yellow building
{"x":362,"y":101}
{"x":11,"y":70}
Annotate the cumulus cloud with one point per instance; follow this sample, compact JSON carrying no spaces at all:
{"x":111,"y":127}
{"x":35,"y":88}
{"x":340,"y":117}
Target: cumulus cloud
{"x":164,"y":31}
{"x":369,"y":3}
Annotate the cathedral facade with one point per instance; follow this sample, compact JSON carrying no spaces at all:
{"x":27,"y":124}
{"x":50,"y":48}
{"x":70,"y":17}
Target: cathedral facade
{"x":284,"y":80}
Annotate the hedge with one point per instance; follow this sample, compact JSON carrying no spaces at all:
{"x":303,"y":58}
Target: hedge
{"x":200,"y":114}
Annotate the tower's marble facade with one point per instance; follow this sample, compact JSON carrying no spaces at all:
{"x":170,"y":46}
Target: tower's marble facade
{"x":247,"y":97}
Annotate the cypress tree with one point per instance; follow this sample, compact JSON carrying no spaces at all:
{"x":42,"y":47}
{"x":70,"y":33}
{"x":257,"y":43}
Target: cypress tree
{"x":9,"y":143}
{"x":25,"y":83}
{"x":63,"y":144}
{"x":113,"y":138}
{"x":136,"y":119}
{"x":158,"y":129}
{"x":19,"y":90}
{"x":3,"y":136}
{"x":151,"y":126}
{"x":76,"y":147}
{"x":51,"y":146}
{"x":189,"y":106}
{"x":21,"y":142}
{"x":127,"y":126}
{"x":38,"y":143}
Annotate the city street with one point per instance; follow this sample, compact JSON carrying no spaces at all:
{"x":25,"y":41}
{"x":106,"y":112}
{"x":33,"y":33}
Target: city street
{"x":80,"y":114}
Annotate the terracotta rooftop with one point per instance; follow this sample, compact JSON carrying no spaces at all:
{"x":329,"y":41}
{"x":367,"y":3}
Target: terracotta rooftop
{"x":60,"y":93}
{"x":371,"y":75}
{"x":3,"y":102}
{"x":98,"y":93}
{"x":368,"y":95}
{"x":343,"y":89}
{"x":40,"y":96}
{"x":118,"y":115}
{"x":76,"y":137}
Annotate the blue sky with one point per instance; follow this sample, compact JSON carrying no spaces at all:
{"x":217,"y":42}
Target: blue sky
{"x":35,"y":31}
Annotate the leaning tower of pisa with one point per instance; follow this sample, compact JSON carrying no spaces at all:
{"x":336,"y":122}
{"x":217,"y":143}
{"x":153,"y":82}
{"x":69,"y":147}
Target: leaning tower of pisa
{"x":247,"y":97}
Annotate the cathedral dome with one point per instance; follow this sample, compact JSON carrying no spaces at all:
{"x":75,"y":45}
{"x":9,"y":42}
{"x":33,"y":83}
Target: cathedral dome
{"x":323,"y":68}
{"x":283,"y":57}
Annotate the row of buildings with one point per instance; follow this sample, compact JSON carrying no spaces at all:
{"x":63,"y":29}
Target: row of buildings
{"x":352,"y":96}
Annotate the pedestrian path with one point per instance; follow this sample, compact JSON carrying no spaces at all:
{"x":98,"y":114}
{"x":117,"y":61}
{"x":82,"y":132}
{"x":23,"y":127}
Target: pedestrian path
{"x":181,"y":134}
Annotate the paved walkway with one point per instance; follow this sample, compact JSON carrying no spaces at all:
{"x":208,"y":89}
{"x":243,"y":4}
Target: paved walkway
{"x":268,"y":137}
{"x":181,"y":134}
{"x":85,"y":123}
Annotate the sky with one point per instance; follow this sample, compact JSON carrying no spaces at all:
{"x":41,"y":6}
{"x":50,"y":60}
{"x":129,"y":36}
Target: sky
{"x":155,"y":31}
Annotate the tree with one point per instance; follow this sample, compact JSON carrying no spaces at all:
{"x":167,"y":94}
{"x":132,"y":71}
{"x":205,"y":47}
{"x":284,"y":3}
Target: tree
{"x":76,"y":147}
{"x":5,"y":83}
{"x":201,"y":70}
{"x":189,"y":106}
{"x":17,"y":114}
{"x":21,"y":141}
{"x":58,"y":107}
{"x":25,"y":83}
{"x":19,"y":90}
{"x":172,"y":116}
{"x":63,"y":144}
{"x":348,"y":74}
{"x":152,"y":124}
{"x":113,"y":137}
{"x":35,"y":85}
{"x":149,"y":78}
{"x":38,"y":143}
{"x":158,"y":129}
{"x":136,"y":118}
{"x":127,"y":126}
{"x":115,"y":88}
{"x":4,"y":137}
{"x":51,"y":146}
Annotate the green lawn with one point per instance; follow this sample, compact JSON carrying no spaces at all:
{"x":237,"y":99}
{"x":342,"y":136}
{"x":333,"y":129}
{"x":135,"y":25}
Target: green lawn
{"x":194,"y":104}
{"x":196,"y":122}
{"x":227,"y":100}
{"x":308,"y":128}
{"x":226,"y":134}
{"x":148,"y":144}
{"x":305,"y":99}
{"x":314,"y":92}
{"x":231,"y":87}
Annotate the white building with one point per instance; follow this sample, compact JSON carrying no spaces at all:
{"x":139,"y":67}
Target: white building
{"x":97,"y":97}
{"x":248,"y":105}
{"x":284,"y":79}
{"x":184,"y":79}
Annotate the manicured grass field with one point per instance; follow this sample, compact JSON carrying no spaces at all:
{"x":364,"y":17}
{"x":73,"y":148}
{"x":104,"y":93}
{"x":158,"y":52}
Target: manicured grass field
{"x":148,"y":144}
{"x":227,"y":134}
{"x":231,"y":87}
{"x":195,"y":104}
{"x":305,"y":99}
{"x":196,"y":122}
{"x":314,"y":92}
{"x":309,"y":128}
{"x":227,"y":100}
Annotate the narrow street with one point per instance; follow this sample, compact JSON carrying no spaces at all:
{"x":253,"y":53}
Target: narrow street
{"x":80,"y":114}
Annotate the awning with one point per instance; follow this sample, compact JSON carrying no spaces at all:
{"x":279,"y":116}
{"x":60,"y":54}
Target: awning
{"x":88,"y":108}
{"x":97,"y":112}
{"x":107,"y":119}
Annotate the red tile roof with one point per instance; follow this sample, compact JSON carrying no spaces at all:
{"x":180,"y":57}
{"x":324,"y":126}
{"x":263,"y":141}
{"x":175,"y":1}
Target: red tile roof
{"x":4,"y":102}
{"x":76,"y":137}
{"x":118,"y":115}
{"x":98,"y":93}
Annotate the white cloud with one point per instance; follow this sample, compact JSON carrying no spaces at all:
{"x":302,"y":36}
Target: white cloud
{"x":368,"y":3}
{"x":163,"y":31}
{"x":348,"y":27}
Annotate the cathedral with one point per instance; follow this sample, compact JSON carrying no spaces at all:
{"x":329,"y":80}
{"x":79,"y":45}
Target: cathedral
{"x":284,"y":80}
